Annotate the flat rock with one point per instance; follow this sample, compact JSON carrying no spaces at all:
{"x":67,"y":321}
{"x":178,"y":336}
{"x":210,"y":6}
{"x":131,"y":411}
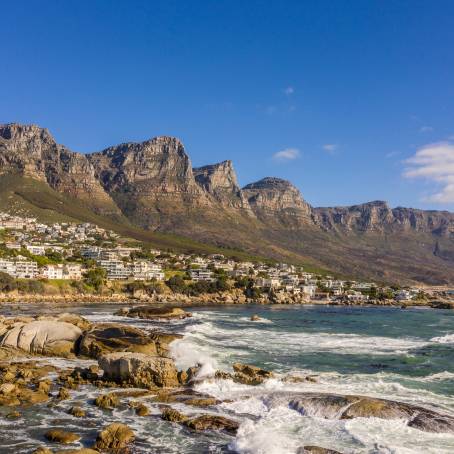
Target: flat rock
{"x":316,"y":450}
{"x":158,"y":313}
{"x":212,"y":422}
{"x":332,"y":406}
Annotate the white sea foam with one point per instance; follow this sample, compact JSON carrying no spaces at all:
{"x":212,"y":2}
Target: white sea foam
{"x":259,"y":320}
{"x":447,"y":339}
{"x":278,"y":341}
{"x":187,"y":355}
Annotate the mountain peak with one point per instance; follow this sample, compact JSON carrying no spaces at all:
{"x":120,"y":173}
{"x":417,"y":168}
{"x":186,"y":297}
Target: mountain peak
{"x":25,"y":134}
{"x":270,"y":183}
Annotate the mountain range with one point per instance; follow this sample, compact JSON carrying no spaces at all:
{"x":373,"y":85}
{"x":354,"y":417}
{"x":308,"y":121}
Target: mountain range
{"x":152,"y":188}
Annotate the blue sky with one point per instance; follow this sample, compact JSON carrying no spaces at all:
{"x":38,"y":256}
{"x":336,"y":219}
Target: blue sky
{"x":350,"y":100}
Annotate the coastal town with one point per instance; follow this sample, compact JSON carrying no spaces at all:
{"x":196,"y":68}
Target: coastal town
{"x":90,"y":258}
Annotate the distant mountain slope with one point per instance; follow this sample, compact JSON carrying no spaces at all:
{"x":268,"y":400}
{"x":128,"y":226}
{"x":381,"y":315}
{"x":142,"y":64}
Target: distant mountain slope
{"x":152,"y":185}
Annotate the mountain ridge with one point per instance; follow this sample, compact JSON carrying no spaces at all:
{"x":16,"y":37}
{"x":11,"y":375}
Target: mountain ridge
{"x":154,"y":185}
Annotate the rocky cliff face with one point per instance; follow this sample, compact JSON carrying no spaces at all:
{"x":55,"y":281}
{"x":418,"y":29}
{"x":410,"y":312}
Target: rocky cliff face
{"x":149,"y":179}
{"x":220,"y":181}
{"x":379,"y":217}
{"x":32,"y":152}
{"x":277,"y":199}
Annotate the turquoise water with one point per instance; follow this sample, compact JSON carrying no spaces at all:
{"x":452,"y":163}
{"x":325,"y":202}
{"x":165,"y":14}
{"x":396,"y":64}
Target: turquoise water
{"x":405,"y":355}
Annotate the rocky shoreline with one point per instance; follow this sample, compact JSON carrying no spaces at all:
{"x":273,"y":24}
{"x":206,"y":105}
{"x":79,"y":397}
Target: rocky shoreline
{"x":135,"y":368}
{"x":222,"y":298}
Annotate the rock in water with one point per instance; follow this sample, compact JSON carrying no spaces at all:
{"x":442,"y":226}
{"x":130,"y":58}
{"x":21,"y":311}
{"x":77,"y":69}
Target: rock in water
{"x":158,"y":313}
{"x":142,"y":410}
{"x":138,"y":369}
{"x":113,"y":337}
{"x":114,"y":437}
{"x":44,"y":338}
{"x":172,"y":415}
{"x":332,"y":406}
{"x":107,"y":401}
{"x":316,"y":450}
{"x":212,"y":422}
{"x":250,"y":375}
{"x":60,"y":436}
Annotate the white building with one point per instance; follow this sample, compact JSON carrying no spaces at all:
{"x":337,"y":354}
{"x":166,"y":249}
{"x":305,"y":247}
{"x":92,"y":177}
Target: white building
{"x":72,"y":271}
{"x":26,"y":269}
{"x":309,"y":290}
{"x":116,"y":269}
{"x":35,"y":249}
{"x":53,"y":271}
{"x":201,"y":275}
{"x":403,"y":295}
{"x":144,"y":270}
{"x":92,"y":252}
{"x":271,"y":282}
{"x":8,"y":267}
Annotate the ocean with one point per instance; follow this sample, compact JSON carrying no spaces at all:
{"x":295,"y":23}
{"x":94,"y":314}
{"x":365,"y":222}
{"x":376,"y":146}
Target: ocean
{"x":404,"y":355}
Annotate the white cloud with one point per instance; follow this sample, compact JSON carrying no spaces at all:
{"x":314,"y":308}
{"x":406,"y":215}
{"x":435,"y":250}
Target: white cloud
{"x":330,"y":147}
{"x":288,"y":154}
{"x":434,"y":163}
{"x":289,"y":91}
{"x":426,"y":129}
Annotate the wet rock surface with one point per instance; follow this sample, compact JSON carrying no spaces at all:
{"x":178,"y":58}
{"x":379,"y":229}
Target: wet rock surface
{"x":331,"y":406}
{"x":316,"y":450}
{"x":250,"y":375}
{"x":156,"y":313}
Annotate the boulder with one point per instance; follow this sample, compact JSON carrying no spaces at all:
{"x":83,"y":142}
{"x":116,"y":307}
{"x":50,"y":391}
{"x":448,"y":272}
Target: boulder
{"x":28,"y":396}
{"x":13,"y":415}
{"x":115,"y":436}
{"x":63,"y":394}
{"x":61,"y":436}
{"x":332,"y":406}
{"x":250,"y":375}
{"x":77,"y":412}
{"x":138,"y":369}
{"x":212,"y":422}
{"x":42,"y":450}
{"x":113,"y":337}
{"x":172,"y":415}
{"x":44,"y":338}
{"x":8,"y":388}
{"x":142,"y":410}
{"x":107,"y":401}
{"x":73,"y":319}
{"x":158,"y":313}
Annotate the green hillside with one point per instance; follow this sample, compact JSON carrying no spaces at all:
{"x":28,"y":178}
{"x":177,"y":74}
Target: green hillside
{"x":27,"y":196}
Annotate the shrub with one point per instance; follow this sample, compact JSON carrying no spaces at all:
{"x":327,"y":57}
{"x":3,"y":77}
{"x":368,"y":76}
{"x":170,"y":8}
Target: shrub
{"x":7,"y":282}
